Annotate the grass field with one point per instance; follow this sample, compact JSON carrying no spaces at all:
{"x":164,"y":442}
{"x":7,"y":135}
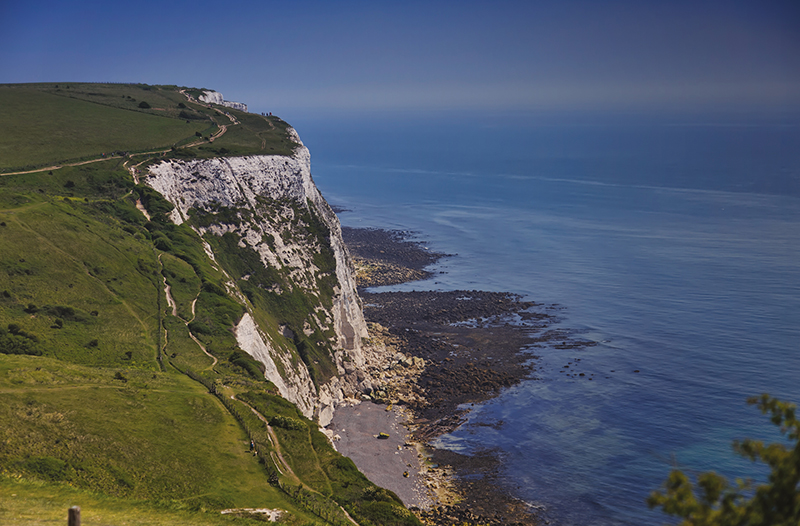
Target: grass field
{"x":43,"y":125}
{"x":34,"y":503}
{"x":82,"y":285}
{"x":39,"y":128}
{"x":157,"y":436}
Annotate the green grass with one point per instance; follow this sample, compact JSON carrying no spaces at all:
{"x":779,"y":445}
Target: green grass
{"x":320,"y":466}
{"x":48,"y":124}
{"x":88,"y":264}
{"x":148,"y":435}
{"x":34,"y":503}
{"x":41,"y":128}
{"x":181,"y":350}
{"x":184,"y":283}
{"x":255,"y":135}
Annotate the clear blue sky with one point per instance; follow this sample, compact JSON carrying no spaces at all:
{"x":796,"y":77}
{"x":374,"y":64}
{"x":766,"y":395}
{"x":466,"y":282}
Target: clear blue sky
{"x":292,"y":56}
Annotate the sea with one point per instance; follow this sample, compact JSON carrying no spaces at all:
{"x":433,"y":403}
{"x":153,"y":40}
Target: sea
{"x":671,"y":241}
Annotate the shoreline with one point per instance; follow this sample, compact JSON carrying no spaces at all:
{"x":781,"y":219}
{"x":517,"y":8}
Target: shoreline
{"x":452,"y":349}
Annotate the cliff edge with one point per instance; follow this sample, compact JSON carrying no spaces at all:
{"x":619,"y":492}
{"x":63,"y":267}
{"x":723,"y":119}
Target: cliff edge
{"x":268,"y":206}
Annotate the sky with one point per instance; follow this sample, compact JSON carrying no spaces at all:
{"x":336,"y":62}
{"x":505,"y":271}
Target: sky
{"x":356,"y":56}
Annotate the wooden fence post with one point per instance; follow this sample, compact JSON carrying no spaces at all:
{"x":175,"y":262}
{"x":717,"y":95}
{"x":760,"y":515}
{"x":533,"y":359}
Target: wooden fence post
{"x":74,"y":516}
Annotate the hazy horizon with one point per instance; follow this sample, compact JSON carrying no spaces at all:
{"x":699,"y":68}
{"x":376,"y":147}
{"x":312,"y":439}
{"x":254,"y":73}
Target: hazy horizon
{"x":353,"y":56}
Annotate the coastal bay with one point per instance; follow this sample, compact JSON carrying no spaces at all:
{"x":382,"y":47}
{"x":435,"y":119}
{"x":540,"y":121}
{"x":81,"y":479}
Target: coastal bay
{"x":474,"y":344}
{"x":673,"y":247}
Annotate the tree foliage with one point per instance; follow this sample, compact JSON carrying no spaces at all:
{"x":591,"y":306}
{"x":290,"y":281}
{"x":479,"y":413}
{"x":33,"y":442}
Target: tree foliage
{"x":720,"y":503}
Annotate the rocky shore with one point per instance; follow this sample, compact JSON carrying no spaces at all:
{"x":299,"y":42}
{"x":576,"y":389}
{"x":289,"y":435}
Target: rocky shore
{"x":452,"y":349}
{"x":384,"y":257}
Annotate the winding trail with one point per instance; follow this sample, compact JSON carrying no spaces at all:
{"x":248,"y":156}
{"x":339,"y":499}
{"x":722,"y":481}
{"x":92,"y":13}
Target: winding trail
{"x":274,"y":440}
{"x":203,"y":348}
{"x":174,"y":306}
{"x":170,"y":300}
{"x":277,"y":452}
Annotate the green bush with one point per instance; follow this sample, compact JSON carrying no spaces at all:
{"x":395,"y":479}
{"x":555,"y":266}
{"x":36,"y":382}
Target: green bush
{"x":48,"y":468}
{"x":16,"y":341}
{"x":162,"y":243}
{"x":198,"y":327}
{"x":154,"y":202}
{"x":245,"y":361}
{"x":65,"y":312}
{"x":190,"y":115}
{"x":213,"y":288}
{"x":287,"y":422}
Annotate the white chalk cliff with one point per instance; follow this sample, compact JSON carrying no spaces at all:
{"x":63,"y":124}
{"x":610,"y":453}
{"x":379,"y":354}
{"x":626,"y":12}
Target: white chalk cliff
{"x":271,"y":197}
{"x":215,"y":97}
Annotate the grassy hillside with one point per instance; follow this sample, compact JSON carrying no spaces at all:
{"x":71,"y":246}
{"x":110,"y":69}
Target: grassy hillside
{"x":145,"y":435}
{"x":111,"y":399}
{"x":48,"y":127}
{"x":49,"y":124}
{"x":36,"y":503}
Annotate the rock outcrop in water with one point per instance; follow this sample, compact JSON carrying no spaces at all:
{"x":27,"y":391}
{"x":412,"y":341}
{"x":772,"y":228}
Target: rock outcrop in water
{"x":269,"y":207}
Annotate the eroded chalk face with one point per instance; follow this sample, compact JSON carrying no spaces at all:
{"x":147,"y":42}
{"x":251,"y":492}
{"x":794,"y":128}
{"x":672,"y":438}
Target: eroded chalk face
{"x":270,"y":214}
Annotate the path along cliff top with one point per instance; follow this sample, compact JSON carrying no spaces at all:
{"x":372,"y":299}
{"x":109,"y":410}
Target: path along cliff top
{"x":46,"y":126}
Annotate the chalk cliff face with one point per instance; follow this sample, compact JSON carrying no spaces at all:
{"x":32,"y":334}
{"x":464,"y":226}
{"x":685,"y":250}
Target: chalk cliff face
{"x":270,"y":206}
{"x":215,"y":97}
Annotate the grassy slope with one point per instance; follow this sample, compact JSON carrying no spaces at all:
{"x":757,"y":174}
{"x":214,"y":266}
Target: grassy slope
{"x":67,"y":253}
{"x":35,"y":503}
{"x":153,"y":436}
{"x":310,"y":456}
{"x":148,"y":436}
{"x":40,"y":128}
{"x":105,"y":407}
{"x":48,"y":124}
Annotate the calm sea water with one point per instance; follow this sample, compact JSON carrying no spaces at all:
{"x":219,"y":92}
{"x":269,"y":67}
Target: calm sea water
{"x":675,"y":245}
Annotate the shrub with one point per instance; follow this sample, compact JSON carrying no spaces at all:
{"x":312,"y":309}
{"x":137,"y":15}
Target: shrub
{"x":213,"y":288}
{"x":48,"y":468}
{"x":16,"y":341}
{"x":191,"y":115}
{"x":287,"y":422}
{"x":163,"y":243}
{"x":64,"y":312}
{"x":144,"y":105}
{"x":245,"y":361}
{"x":198,"y":327}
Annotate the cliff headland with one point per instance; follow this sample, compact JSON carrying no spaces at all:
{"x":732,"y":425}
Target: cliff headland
{"x":178,"y":313}
{"x":181,"y":315}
